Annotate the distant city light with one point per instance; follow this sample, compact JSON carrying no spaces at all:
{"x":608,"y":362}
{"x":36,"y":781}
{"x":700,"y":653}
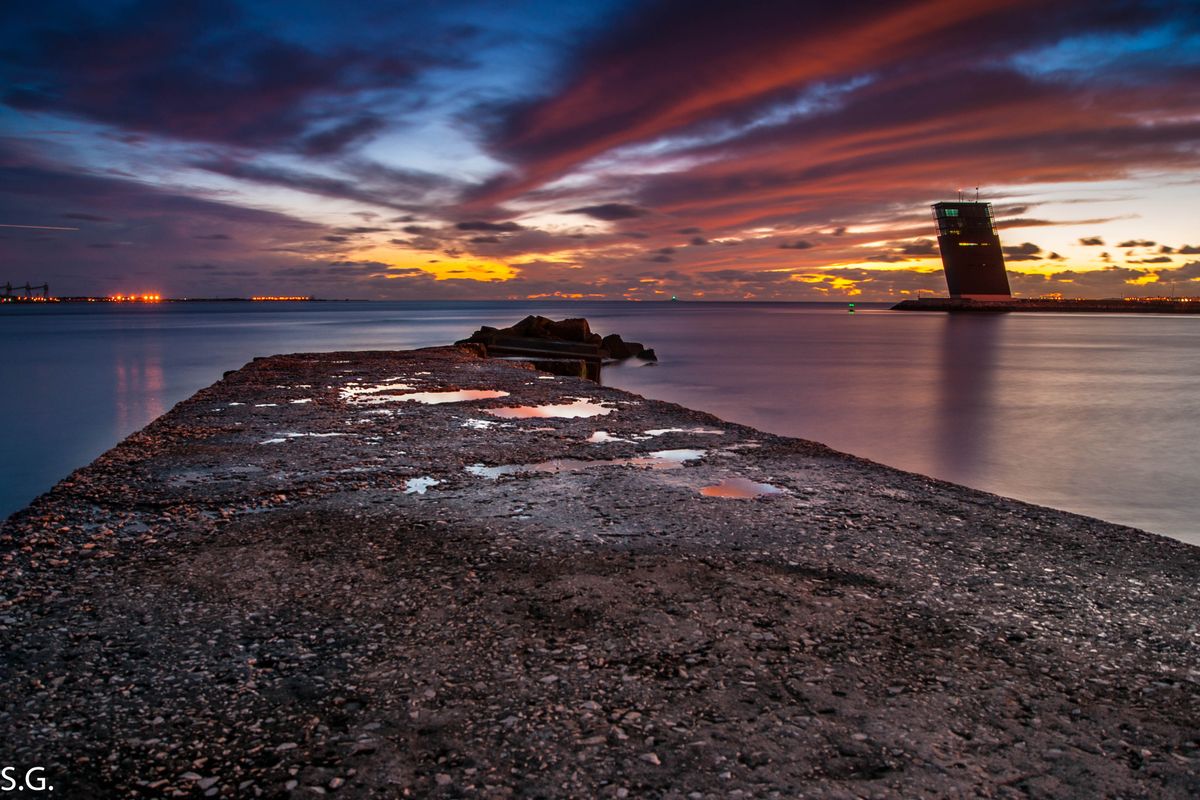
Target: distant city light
{"x":134,"y":298}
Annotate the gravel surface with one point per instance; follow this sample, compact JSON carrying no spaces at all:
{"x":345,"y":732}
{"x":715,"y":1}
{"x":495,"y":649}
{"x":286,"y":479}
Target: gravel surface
{"x":298,"y":583}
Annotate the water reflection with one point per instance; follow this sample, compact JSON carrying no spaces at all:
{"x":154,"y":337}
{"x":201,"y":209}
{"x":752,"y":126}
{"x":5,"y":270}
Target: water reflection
{"x":739,"y":489}
{"x":419,"y":485}
{"x":966,"y":395}
{"x":459,"y":396}
{"x":659,"y":459}
{"x":138,"y":385}
{"x":581,"y":407}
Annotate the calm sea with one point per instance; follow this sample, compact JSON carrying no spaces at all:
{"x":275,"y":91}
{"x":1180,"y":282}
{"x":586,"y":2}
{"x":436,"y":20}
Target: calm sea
{"x":1096,"y":414}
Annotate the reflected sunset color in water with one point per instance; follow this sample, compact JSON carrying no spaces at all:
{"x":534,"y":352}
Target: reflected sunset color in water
{"x":739,"y":489}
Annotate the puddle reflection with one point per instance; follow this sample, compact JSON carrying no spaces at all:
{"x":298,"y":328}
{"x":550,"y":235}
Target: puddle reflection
{"x":284,"y":437}
{"x":355,"y":392}
{"x":459,"y":396}
{"x":740,"y":489}
{"x":660,"y":459}
{"x":419,"y":485}
{"x":601,"y":437}
{"x":582,"y":407}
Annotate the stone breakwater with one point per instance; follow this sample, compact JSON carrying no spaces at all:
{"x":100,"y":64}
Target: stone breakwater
{"x":428,"y":574}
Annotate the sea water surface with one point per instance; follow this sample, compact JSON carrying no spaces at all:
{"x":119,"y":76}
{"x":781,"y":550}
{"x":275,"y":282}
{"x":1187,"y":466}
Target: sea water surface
{"x":1092,"y":413}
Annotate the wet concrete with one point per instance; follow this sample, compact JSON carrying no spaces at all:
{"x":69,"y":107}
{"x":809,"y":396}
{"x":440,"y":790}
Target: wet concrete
{"x":236,"y":602}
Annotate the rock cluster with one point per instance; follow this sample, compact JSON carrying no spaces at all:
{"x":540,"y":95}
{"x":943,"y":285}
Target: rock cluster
{"x":575,"y":330}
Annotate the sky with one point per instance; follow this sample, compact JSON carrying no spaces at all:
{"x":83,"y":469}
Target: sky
{"x":602,"y":150}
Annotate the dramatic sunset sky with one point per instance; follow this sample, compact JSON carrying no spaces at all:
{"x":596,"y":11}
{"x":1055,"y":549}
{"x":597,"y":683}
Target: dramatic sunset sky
{"x":714,"y":150}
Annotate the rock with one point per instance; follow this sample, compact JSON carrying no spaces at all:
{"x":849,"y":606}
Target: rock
{"x":614,"y":347}
{"x":573,"y":330}
{"x":535,"y":327}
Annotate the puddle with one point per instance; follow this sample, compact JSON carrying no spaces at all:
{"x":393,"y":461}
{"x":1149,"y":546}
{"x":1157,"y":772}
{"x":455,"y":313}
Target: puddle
{"x":677,"y":456}
{"x":740,"y":489}
{"x":582,"y":407}
{"x":265,"y":405}
{"x":302,"y":401}
{"x":458,"y":396}
{"x":480,"y":424}
{"x":419,"y":485}
{"x":286,"y":436}
{"x":661,"y":459}
{"x":353,"y":392}
{"x":369,"y":396}
{"x":231,"y":405}
{"x":601,"y":437}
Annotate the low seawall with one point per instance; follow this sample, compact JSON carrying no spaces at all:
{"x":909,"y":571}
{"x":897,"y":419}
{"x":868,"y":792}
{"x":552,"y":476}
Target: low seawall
{"x":1131,"y":305}
{"x":305,"y":581}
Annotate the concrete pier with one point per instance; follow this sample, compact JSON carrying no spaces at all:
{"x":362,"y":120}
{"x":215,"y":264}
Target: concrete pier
{"x":326,"y":575}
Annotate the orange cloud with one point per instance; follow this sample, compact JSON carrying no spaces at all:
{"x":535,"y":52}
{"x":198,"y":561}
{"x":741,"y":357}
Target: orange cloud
{"x":438,"y":265}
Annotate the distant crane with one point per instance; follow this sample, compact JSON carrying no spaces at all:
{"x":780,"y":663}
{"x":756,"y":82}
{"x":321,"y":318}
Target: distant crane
{"x":9,"y":290}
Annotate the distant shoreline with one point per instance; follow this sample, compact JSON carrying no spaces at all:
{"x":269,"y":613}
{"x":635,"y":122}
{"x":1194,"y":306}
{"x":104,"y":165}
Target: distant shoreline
{"x":38,"y":301}
{"x":1108,"y":305}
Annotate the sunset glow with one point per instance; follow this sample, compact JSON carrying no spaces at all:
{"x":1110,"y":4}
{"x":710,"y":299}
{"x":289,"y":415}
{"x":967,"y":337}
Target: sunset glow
{"x":783,"y":152}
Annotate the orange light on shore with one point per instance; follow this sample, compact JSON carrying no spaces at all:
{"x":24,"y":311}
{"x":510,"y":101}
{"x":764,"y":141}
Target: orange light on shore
{"x":135,"y":298}
{"x":281,"y":297}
